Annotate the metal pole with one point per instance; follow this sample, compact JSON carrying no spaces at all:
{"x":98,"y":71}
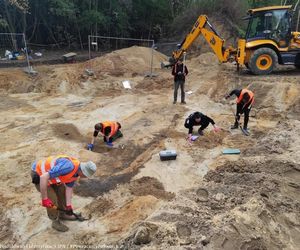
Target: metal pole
{"x":89,"y":41}
{"x":26,"y":50}
{"x":151,"y":63}
{"x":298,"y":20}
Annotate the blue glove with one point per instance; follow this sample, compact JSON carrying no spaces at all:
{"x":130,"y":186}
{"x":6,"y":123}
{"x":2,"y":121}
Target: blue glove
{"x":109,"y":144}
{"x":90,"y":147}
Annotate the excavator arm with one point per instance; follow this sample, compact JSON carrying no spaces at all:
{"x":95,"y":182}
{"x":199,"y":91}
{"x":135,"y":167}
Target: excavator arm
{"x":210,"y":35}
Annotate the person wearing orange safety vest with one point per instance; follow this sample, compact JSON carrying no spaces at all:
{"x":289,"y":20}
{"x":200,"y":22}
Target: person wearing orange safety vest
{"x":110,"y":130}
{"x":244,"y":101}
{"x":55,"y":177}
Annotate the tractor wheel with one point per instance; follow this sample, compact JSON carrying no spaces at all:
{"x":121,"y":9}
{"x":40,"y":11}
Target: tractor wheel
{"x":297,"y":64}
{"x":263,"y":61}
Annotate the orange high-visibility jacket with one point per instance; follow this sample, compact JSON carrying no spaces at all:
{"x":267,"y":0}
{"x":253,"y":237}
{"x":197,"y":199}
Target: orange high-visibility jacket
{"x":113,"y":125}
{"x":250,"y":93}
{"x":44,"y":166}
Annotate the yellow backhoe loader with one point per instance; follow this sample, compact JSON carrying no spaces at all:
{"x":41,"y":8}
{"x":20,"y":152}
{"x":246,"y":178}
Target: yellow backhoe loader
{"x":269,"y":41}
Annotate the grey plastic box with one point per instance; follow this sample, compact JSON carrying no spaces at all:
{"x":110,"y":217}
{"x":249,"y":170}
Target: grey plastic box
{"x":167,"y":155}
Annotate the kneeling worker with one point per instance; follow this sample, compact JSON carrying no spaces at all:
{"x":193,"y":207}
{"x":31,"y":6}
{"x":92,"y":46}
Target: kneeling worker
{"x":55,"y":177}
{"x":110,"y":131}
{"x":244,"y":101}
{"x":198,"y":119}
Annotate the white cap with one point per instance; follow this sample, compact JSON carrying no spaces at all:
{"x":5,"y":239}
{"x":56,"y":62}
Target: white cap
{"x":88,"y":168}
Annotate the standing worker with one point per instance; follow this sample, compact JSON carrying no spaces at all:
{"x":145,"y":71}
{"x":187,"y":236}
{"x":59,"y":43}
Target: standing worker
{"x":179,"y":71}
{"x":244,"y":101}
{"x":110,"y":130}
{"x":55,"y":177}
{"x":198,"y":119}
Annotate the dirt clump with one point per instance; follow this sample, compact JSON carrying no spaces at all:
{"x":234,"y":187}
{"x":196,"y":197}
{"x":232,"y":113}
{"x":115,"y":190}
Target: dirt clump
{"x":149,"y":186}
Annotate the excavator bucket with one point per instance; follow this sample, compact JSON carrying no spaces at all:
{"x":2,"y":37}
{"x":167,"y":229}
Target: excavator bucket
{"x":168,"y":64}
{"x":165,"y":65}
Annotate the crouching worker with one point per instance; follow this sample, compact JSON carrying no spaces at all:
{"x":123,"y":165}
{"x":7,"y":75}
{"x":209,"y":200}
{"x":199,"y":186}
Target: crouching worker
{"x":110,"y":131}
{"x":55,"y":177}
{"x":198,"y":119}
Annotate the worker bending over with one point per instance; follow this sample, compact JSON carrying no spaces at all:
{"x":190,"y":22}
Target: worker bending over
{"x":198,"y":119}
{"x":110,"y":130}
{"x":244,"y":101}
{"x":55,"y":177}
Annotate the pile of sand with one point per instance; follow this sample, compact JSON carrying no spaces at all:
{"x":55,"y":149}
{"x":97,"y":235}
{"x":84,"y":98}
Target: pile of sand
{"x":134,"y":61}
{"x":69,"y":78}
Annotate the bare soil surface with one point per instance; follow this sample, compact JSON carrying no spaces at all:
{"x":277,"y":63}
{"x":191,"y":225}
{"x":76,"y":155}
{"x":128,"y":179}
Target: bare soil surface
{"x":202,"y":200}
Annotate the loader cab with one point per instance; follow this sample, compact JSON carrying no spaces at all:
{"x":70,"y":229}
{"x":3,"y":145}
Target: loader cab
{"x":272,"y":23}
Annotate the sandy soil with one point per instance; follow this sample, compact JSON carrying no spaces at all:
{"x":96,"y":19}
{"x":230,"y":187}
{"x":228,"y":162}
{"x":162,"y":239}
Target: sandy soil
{"x":203,"y":200}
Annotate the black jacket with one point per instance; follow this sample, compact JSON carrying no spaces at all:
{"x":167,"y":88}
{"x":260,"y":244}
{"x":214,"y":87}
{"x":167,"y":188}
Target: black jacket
{"x":178,"y":73}
{"x":190,"y":121}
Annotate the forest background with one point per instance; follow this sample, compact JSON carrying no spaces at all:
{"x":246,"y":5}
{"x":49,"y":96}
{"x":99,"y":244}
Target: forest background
{"x":67,"y":23}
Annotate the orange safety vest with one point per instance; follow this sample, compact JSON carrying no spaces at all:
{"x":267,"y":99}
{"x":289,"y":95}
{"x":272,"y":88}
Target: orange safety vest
{"x":113,"y":125}
{"x":250,"y":93}
{"x":44,"y":166}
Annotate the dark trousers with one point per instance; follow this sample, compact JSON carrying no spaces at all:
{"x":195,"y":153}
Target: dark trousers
{"x":114,"y":137}
{"x":178,"y":83}
{"x":202,"y":127}
{"x":57,"y":193}
{"x":246,"y":113}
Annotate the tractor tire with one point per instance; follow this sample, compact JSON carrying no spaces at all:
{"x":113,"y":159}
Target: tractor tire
{"x":297,"y":64}
{"x":263,"y":61}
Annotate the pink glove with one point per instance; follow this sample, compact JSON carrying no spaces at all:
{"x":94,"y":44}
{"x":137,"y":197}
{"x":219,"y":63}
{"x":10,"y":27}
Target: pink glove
{"x":189,"y":139}
{"x":216,"y":129}
{"x":47,"y":203}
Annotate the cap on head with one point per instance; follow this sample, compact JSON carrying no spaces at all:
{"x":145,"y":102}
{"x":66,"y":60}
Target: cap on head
{"x":88,"y":168}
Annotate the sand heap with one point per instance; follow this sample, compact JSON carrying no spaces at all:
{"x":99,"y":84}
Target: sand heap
{"x":64,"y":78}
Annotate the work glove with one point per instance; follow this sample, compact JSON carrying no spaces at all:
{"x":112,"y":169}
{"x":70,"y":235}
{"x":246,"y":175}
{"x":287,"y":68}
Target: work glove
{"x":47,"y":203}
{"x":227,"y":96}
{"x":216,"y":129}
{"x":69,"y":210}
{"x":90,"y":147}
{"x":109,"y":144}
{"x":189,"y":139}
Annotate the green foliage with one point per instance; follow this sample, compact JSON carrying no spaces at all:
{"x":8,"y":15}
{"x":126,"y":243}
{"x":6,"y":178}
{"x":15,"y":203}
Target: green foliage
{"x":71,"y":21}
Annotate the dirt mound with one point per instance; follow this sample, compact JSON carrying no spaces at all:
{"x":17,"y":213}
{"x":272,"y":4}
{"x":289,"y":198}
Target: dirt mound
{"x":149,"y":186}
{"x":208,"y":59}
{"x":71,"y":78}
{"x":68,"y":132}
{"x":130,"y":61}
{"x":156,"y":84}
{"x":211,"y":139}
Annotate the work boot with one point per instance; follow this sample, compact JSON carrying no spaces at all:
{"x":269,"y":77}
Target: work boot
{"x":235,"y":126}
{"x":67,"y":217}
{"x":57,"y":225}
{"x":174,"y":102}
{"x":183,"y":102}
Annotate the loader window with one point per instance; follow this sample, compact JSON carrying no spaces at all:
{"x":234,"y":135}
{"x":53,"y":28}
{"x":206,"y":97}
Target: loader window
{"x":257,"y":26}
{"x":274,"y":25}
{"x":281,"y":27}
